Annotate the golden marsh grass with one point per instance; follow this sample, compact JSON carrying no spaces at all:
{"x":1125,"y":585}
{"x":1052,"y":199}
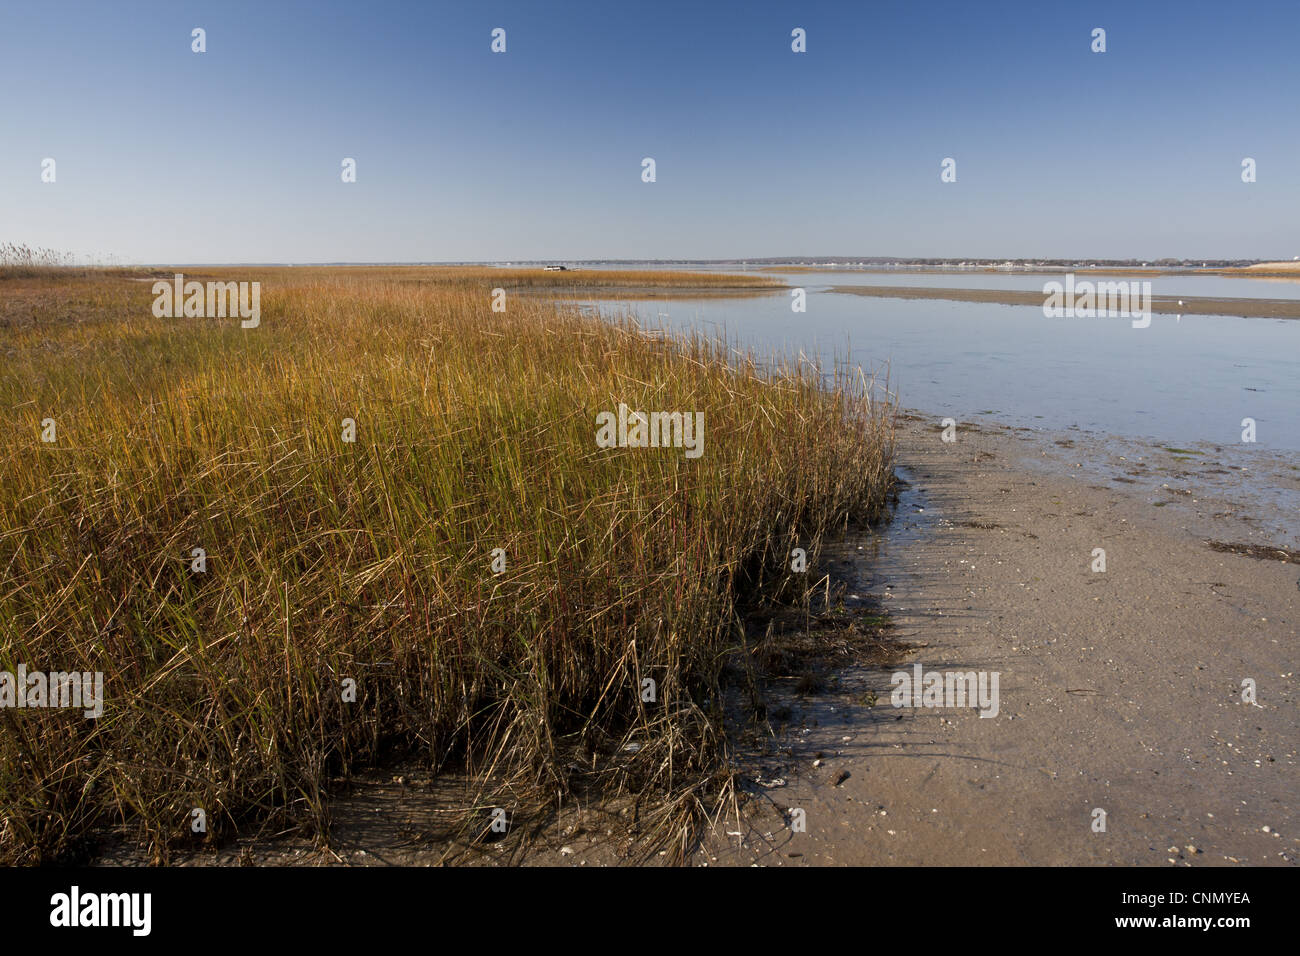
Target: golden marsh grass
{"x":370,"y":561}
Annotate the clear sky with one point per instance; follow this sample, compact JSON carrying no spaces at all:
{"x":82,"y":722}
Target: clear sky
{"x":233,"y":155}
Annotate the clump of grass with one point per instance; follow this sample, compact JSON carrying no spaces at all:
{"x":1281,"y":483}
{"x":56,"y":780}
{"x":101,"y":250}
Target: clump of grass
{"x":371,"y":561}
{"x":23,"y":261}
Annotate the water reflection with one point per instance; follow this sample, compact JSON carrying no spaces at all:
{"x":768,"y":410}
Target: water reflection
{"x":1180,"y":380}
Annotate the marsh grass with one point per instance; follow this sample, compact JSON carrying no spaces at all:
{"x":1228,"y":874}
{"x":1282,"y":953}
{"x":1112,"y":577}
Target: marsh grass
{"x":18,"y":261}
{"x":371,"y":561}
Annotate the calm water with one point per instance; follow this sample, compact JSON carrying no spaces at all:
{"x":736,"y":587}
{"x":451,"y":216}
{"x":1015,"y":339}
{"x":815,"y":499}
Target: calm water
{"x":1177,"y":381}
{"x":1215,"y":287}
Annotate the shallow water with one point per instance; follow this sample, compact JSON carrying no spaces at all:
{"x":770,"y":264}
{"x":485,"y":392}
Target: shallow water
{"x":1216,"y":287}
{"x":1178,"y":381}
{"x":1186,"y":284}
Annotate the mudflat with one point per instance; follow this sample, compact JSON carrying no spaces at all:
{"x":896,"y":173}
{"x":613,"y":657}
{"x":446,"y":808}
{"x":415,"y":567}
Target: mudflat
{"x":1161,"y":304}
{"x":1120,"y":691}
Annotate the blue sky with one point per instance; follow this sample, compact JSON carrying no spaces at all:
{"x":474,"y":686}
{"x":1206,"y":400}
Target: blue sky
{"x":233,"y":155}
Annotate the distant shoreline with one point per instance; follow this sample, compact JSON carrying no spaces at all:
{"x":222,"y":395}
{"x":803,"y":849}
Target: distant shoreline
{"x":1263,"y":270}
{"x":1235,"y":268}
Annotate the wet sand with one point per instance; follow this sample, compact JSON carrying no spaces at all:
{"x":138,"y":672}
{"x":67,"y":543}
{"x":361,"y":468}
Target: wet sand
{"x":1160,"y":304}
{"x":1119,"y":690}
